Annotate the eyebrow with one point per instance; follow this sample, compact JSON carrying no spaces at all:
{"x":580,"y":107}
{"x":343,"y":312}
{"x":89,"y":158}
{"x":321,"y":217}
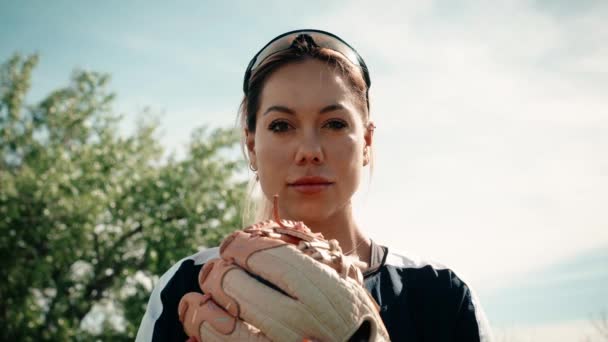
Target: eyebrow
{"x":283,"y":109}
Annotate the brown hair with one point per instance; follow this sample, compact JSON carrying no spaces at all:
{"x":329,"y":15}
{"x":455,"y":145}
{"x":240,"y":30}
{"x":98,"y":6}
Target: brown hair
{"x":300,"y":51}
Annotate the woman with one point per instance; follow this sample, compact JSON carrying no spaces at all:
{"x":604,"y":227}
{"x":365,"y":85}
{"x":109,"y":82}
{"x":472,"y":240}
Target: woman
{"x":308,"y":136}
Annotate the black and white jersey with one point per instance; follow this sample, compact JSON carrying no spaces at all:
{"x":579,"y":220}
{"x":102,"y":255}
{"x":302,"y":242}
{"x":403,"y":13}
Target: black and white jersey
{"x":419,"y":301}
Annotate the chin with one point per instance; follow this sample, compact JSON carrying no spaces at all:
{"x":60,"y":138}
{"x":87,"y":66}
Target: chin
{"x":309,"y":211}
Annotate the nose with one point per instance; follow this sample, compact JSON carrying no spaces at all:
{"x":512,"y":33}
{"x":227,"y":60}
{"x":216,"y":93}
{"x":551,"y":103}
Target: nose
{"x":309,"y":150}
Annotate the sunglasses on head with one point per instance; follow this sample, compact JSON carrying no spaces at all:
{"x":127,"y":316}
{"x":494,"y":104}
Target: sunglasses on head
{"x":319,"y":38}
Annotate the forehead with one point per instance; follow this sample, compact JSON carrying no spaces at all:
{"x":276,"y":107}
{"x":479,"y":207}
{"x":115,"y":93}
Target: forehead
{"x":306,"y":86}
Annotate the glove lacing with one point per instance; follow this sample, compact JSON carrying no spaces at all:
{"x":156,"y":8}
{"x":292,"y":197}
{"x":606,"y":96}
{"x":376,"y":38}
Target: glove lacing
{"x":312,"y":244}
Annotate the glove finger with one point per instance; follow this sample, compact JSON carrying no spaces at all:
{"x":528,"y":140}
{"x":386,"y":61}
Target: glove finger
{"x":295,"y":273}
{"x":342,"y":304}
{"x":203,"y":319}
{"x":279,"y":316}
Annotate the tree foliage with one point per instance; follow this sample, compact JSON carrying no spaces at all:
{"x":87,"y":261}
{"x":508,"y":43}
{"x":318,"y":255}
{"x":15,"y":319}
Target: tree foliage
{"x":89,"y":217}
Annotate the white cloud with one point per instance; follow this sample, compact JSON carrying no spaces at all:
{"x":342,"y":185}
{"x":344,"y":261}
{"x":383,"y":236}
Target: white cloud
{"x":578,"y":330}
{"x":491,"y":118}
{"x":491,"y":141}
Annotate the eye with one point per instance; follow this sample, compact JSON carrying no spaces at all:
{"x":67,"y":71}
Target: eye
{"x":336,"y":124}
{"x":279,"y":126}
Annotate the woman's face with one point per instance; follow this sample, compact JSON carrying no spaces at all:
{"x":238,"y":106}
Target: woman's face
{"x":310,"y":142}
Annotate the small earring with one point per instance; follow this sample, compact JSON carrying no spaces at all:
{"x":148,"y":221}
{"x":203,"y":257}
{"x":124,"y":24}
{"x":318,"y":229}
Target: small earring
{"x":371,"y":126}
{"x":257,"y":177}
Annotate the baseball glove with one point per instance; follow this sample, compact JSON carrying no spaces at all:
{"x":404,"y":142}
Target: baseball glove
{"x":278,"y":281}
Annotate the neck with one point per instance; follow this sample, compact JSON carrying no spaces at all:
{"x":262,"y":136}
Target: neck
{"x":342,"y":227}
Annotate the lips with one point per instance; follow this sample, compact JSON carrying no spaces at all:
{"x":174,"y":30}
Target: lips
{"x":310,"y":184}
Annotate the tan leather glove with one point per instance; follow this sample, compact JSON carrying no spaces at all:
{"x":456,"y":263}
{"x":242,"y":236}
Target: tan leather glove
{"x":309,"y":290}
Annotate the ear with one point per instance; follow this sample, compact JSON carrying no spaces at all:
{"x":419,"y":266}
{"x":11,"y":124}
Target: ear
{"x":369,"y":138}
{"x":369,"y":133}
{"x":250,"y":142}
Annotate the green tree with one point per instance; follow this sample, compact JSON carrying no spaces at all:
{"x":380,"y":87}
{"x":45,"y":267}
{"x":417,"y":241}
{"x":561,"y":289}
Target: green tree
{"x":89,"y":217}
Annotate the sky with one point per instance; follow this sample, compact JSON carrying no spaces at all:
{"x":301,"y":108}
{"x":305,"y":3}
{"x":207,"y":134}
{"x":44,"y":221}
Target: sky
{"x":491,"y":147}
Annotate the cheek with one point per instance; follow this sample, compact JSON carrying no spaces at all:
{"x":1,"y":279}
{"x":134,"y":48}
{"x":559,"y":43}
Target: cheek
{"x":273,"y":163}
{"x":270,"y":152}
{"x":347,"y":156}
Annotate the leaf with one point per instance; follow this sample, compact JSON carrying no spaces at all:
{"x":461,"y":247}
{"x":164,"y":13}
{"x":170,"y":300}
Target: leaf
{"x":75,"y":193}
